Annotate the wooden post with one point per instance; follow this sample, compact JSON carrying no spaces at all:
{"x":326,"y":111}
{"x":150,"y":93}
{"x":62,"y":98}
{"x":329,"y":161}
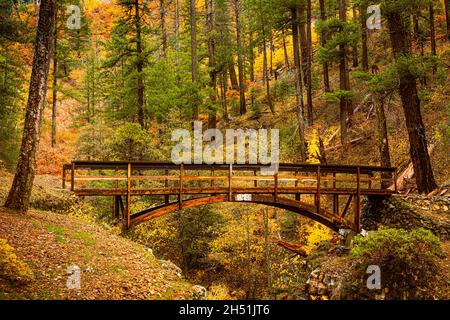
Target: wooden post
{"x":166,"y":184}
{"x":318,"y":190}
{"x":395,"y":181}
{"x":336,"y":204}
{"x":297,"y":195}
{"x":275,"y":196}
{"x":255,"y":182}
{"x":334,"y":180}
{"x":358,"y":200}
{"x":72,"y":177}
{"x":128,"y":213}
{"x":180,"y":194}
{"x":230,"y":177}
{"x":212,"y":180}
{"x":64,"y":178}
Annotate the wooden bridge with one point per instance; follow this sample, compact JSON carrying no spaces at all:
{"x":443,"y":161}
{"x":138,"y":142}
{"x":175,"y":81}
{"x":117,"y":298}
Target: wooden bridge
{"x":328,"y":194}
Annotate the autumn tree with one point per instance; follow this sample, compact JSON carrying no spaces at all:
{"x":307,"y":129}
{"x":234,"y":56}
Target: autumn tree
{"x":396,"y":12}
{"x":20,"y":192}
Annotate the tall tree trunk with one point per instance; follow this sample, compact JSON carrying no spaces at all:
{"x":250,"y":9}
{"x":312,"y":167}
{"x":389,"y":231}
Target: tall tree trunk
{"x":212,"y":117}
{"x":286,"y":56}
{"x":309,"y":63}
{"x":364,"y":37}
{"x":194,"y":58}
{"x":233,"y":75}
{"x":411,"y":107}
{"x":447,"y":17}
{"x":323,"y":40}
{"x":251,"y":55}
{"x":383,"y":141}
{"x":223,"y":82}
{"x":355,"y":47}
{"x":139,"y":65}
{"x":343,"y":78}
{"x":432,"y":31}
{"x":303,"y":42}
{"x":55,"y":78}
{"x":162,"y":8}
{"x":266,"y":74}
{"x":237,"y":12}
{"x":298,"y":83}
{"x":20,"y":192}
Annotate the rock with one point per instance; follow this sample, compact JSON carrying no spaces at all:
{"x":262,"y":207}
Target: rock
{"x":199,"y":292}
{"x":405,"y":212}
{"x":170,"y":266}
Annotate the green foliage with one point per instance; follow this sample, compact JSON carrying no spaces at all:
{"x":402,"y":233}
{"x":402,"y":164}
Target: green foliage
{"x":334,"y":97}
{"x":408,"y":261}
{"x":130,"y":143}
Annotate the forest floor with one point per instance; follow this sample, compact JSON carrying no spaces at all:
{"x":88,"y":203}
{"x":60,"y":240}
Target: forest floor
{"x":112,"y":267}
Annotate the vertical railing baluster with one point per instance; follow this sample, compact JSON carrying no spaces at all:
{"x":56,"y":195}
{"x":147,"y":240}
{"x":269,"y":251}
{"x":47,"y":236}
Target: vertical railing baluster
{"x":318,"y":190}
{"x":128,"y":213}
{"x":180,"y":194}
{"x":230,"y":178}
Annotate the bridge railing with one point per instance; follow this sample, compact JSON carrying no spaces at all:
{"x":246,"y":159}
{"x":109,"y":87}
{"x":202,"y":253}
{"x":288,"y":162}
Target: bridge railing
{"x":151,"y":178}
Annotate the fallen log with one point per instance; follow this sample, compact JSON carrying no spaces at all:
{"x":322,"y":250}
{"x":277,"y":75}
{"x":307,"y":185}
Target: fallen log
{"x":298,"y":249}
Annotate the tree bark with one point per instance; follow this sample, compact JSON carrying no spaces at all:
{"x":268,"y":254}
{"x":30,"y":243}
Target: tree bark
{"x":212,"y":117}
{"x":194,"y":58}
{"x":309,"y":63}
{"x":298,"y":83}
{"x":286,"y":56}
{"x":432,"y":31}
{"x":55,"y":77}
{"x":355,"y":47}
{"x":242,"y":102}
{"x":400,"y":42}
{"x":383,"y":140}
{"x":233,"y":75}
{"x":139,"y":65}
{"x":343,"y":78}
{"x":364,"y":37}
{"x":162,"y":8}
{"x":447,"y":17}
{"x":20,"y":192}
{"x":323,"y":40}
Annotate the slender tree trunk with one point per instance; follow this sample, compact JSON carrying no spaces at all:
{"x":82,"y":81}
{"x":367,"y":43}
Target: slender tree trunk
{"x":224,"y":93}
{"x":139,"y":65}
{"x":383,"y":141}
{"x":55,"y":78}
{"x":323,"y":39}
{"x":162,"y":8}
{"x":212,"y":120}
{"x":432,"y":32}
{"x":447,"y":17}
{"x":286,"y":56}
{"x":303,"y":43}
{"x":233,"y":75}
{"x":343,"y":78}
{"x":298,"y":83}
{"x":309,"y":63}
{"x":252,"y":58}
{"x":355,"y":47}
{"x":194,"y":58}
{"x":266,"y":74}
{"x":237,"y":12}
{"x":364,"y":37}
{"x":20,"y":192}
{"x":411,"y":107}
{"x":267,"y":249}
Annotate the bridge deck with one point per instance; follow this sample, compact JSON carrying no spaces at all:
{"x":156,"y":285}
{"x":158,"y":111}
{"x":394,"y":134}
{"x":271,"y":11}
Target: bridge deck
{"x":235,"y":181}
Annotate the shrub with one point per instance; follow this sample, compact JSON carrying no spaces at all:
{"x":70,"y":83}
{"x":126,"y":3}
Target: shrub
{"x":11,"y":267}
{"x":407,"y":259}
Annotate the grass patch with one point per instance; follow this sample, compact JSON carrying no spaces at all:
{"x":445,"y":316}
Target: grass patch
{"x":84,"y":236}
